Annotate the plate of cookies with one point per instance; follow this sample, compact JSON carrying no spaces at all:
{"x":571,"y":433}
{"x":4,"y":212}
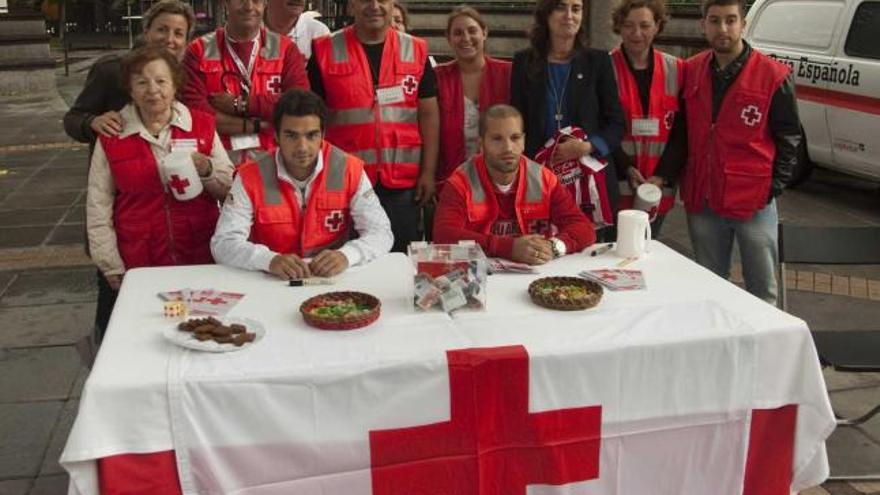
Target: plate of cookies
{"x":216,"y":335}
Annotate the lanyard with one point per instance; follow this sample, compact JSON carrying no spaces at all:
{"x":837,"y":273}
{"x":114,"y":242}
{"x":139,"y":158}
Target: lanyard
{"x":245,"y":72}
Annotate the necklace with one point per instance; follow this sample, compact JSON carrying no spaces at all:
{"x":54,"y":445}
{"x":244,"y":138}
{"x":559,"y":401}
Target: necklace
{"x":558,"y":95}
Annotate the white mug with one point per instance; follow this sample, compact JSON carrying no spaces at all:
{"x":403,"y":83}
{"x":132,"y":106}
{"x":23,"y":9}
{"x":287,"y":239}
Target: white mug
{"x":647,"y":199}
{"x":633,"y":233}
{"x":180,"y":175}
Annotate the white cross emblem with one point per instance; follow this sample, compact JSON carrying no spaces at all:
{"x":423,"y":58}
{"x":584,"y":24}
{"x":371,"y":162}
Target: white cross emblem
{"x":273,"y":85}
{"x":334,"y":220}
{"x":750,"y":115}
{"x":410,"y":84}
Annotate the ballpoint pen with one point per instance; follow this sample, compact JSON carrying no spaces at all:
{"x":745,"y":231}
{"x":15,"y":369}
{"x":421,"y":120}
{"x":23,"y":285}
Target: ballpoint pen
{"x":299,"y":282}
{"x":602,"y":250}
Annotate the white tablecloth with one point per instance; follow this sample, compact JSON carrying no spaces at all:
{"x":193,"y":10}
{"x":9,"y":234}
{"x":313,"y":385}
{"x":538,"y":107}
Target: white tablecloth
{"x":690,"y":346}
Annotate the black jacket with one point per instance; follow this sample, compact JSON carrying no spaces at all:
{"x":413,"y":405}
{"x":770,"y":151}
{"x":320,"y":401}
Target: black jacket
{"x":101,"y":93}
{"x":592,"y":94}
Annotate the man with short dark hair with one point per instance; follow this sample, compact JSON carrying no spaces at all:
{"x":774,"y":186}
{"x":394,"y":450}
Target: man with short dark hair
{"x":382,"y":94}
{"x":507,"y":203}
{"x":743,"y":133}
{"x":301,"y":202}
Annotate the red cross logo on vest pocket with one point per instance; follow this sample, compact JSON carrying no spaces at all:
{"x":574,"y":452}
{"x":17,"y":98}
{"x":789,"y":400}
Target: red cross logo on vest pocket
{"x":750,"y":115}
{"x":492,"y":444}
{"x":410,"y":84}
{"x":273,"y":85}
{"x":669,"y":119}
{"x":179,"y":185}
{"x":334,"y":220}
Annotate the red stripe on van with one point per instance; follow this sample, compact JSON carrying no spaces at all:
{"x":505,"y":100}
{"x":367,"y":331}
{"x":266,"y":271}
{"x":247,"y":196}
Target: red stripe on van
{"x":866,"y":104}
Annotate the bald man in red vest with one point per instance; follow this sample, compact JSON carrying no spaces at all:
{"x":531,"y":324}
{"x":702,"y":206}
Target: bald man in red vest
{"x":513,"y":207}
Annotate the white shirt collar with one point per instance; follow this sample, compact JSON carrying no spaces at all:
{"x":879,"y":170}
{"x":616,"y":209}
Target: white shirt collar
{"x":180,"y":118}
{"x":282,"y":170}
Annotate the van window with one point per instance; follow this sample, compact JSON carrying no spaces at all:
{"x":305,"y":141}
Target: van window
{"x":862,"y":38}
{"x":798,"y":24}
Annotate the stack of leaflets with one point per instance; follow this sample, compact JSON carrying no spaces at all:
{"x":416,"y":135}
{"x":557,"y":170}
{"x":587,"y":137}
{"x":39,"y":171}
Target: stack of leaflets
{"x":204,"y":302}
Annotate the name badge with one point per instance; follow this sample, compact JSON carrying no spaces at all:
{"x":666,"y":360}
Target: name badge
{"x":190,"y":145}
{"x":390,"y":95}
{"x":645,"y":127}
{"x":245,"y":142}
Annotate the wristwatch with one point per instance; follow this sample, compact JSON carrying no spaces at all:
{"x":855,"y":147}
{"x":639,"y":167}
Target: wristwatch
{"x":557,"y":246}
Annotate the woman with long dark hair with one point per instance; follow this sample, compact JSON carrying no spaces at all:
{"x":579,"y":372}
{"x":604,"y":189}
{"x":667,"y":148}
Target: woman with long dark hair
{"x":566,"y":92}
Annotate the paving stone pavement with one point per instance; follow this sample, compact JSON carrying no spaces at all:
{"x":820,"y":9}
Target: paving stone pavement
{"x":47,"y":300}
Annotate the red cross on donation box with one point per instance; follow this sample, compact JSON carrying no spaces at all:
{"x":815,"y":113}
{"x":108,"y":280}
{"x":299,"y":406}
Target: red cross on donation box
{"x":178,"y":184}
{"x":492,"y":444}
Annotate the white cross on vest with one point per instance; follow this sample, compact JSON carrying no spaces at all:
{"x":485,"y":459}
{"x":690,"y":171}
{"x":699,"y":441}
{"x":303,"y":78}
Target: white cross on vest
{"x":410,"y":84}
{"x":334,"y":220}
{"x":750,"y":115}
{"x":273,"y":85}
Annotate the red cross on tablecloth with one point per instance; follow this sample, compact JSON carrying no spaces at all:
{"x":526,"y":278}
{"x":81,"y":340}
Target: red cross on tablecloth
{"x":492,"y":445}
{"x":750,"y":115}
{"x":273,"y":85}
{"x":178,"y":184}
{"x":334,"y":220}
{"x":410,"y":84}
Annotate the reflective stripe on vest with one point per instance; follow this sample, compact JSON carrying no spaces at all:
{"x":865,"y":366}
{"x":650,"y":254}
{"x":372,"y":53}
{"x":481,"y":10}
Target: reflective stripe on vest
{"x":652,"y":149}
{"x":269,"y":174}
{"x":340,"y":48}
{"x":390,"y":155}
{"x":407,"y":51}
{"x":334,"y":172}
{"x":212,"y":51}
{"x":406,"y":48}
{"x":357,"y":116}
{"x":534,"y":179}
{"x":272,"y":49}
{"x":670,"y":70}
{"x":534,"y":193}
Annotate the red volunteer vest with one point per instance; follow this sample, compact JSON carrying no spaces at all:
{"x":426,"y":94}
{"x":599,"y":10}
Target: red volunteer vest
{"x":384,"y":135}
{"x":222,"y":75}
{"x":645,"y":151}
{"x":730,"y":162}
{"x":280,"y":223}
{"x":534,"y":185}
{"x":152,"y":228}
{"x":494,"y":89}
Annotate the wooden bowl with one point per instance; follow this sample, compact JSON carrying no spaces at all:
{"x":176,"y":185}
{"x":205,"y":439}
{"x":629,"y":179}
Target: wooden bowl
{"x":334,"y":317}
{"x":582,"y":294}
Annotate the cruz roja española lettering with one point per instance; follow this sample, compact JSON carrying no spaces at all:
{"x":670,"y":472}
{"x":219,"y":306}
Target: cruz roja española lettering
{"x":805,"y":68}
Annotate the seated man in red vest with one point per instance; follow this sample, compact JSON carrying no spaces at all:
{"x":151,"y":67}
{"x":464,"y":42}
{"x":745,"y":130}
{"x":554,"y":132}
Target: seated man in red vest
{"x":301,"y":202}
{"x":507,"y":203}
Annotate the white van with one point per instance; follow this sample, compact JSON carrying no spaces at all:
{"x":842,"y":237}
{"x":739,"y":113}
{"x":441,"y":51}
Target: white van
{"x":833,"y":49}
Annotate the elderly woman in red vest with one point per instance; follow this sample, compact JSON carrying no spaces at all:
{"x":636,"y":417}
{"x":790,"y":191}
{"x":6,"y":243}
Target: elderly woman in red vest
{"x":649,"y":81}
{"x":132,"y":217}
{"x":466,"y":87}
